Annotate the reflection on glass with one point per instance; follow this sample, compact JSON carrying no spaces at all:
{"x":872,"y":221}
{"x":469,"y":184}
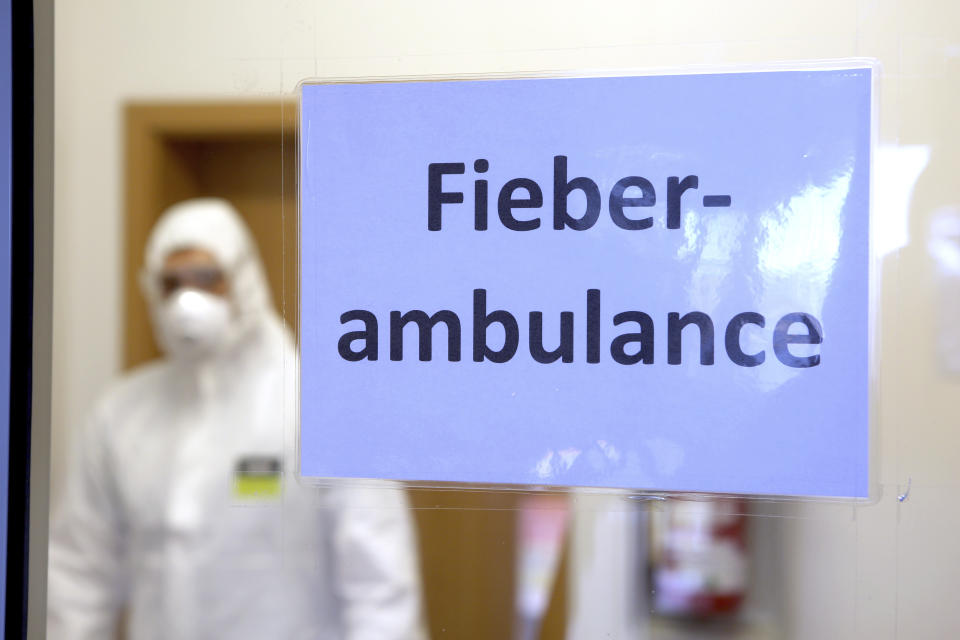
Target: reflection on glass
{"x":798,"y":244}
{"x":943,"y":247}
{"x":719,"y":239}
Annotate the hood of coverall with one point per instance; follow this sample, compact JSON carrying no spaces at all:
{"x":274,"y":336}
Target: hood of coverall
{"x":214,"y":225}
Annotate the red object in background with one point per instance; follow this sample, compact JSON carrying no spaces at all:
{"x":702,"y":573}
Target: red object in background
{"x":699,"y":558}
{"x":541,"y":528}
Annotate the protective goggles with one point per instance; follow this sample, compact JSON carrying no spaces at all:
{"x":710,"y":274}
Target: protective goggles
{"x":205,"y":278}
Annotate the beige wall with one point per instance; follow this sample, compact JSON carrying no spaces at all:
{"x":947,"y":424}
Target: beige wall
{"x":878,"y":572}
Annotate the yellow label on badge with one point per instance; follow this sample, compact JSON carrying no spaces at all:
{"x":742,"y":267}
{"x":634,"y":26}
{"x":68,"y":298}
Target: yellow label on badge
{"x":257,"y":486}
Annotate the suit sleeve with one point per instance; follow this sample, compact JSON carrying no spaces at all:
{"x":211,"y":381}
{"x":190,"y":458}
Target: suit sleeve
{"x":376,"y":564}
{"x":86,"y":546}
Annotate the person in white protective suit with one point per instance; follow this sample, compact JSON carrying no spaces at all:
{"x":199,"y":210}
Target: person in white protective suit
{"x":182,"y":507}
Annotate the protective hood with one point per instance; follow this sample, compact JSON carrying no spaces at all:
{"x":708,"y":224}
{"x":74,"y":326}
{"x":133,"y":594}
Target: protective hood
{"x":213,"y":225}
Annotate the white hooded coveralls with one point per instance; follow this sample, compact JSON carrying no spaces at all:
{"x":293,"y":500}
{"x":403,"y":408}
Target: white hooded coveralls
{"x":151,"y":520}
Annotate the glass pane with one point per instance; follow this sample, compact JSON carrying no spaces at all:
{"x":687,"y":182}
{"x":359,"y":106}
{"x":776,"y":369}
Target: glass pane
{"x":176,"y":503}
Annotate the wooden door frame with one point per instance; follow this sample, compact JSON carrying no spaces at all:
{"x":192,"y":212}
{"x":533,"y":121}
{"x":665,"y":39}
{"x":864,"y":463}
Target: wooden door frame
{"x":149,"y":128}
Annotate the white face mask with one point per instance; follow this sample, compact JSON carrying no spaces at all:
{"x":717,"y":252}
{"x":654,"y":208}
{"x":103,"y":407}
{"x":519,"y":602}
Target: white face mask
{"x":194,"y":324}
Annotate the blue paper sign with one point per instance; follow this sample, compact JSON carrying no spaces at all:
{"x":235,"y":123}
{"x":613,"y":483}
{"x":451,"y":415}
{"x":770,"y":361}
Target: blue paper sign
{"x":646,"y":282}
